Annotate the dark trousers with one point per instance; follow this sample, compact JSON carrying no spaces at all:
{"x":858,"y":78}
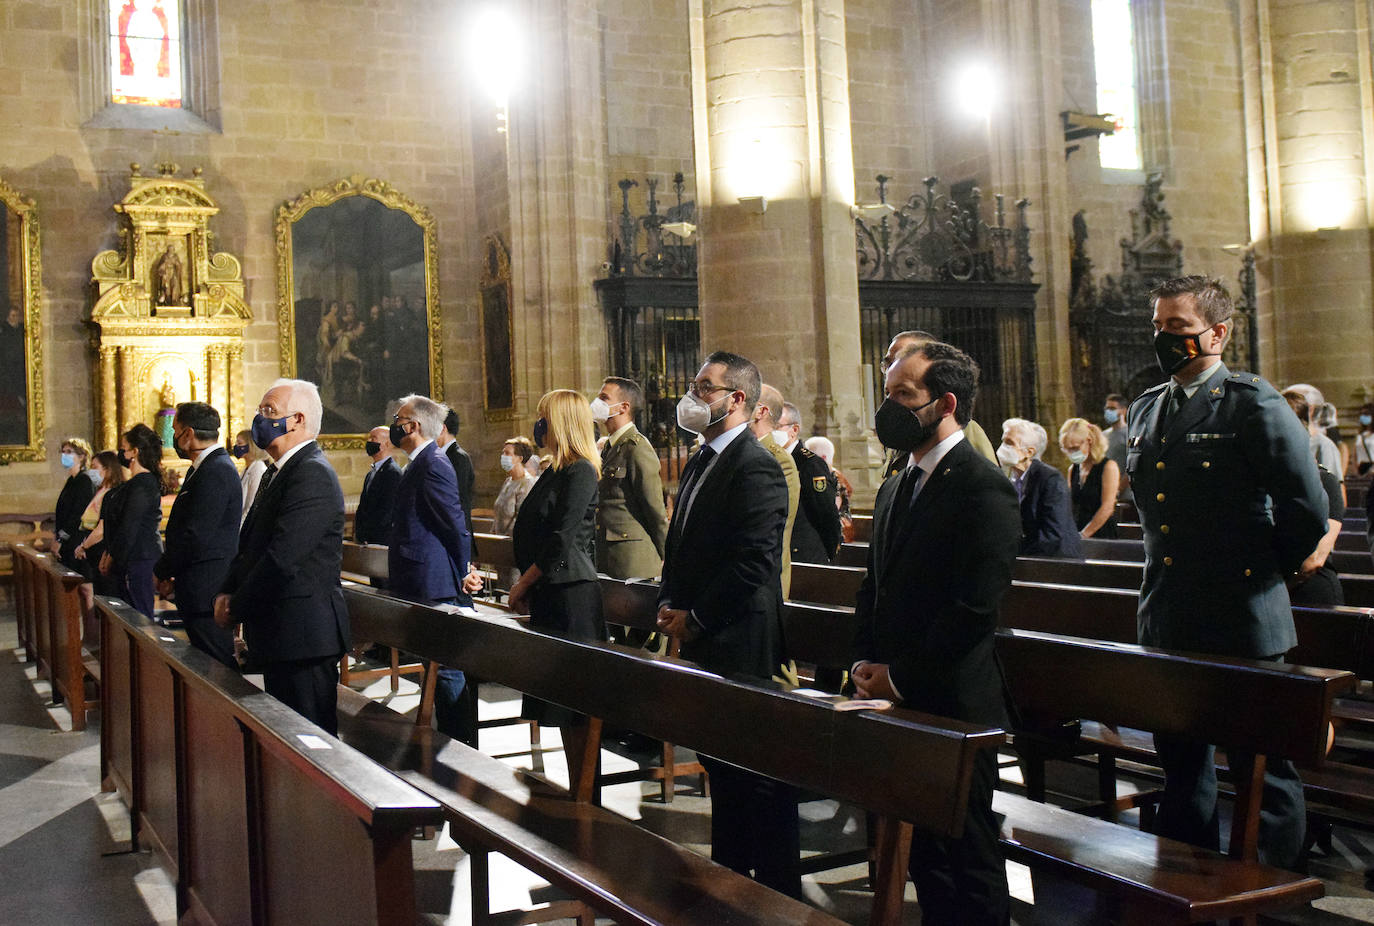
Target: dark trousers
{"x":209,"y":637}
{"x":754,"y":826}
{"x":138,"y":585}
{"x":307,"y":686}
{"x":964,"y":881}
{"x":1188,"y":810}
{"x":455,"y":707}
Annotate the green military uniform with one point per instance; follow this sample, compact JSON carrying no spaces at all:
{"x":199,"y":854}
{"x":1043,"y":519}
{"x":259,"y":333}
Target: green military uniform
{"x":631,"y":523}
{"x":789,"y":472}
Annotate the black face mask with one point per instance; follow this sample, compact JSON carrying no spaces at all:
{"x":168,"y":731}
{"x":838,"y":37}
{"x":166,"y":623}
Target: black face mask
{"x":373,"y":448}
{"x":125,"y":460}
{"x":541,"y":431}
{"x":1175,"y":351}
{"x":396,"y":433}
{"x":900,"y":428}
{"x":180,"y":452}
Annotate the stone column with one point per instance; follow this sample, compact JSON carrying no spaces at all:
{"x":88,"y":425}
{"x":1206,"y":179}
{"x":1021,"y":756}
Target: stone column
{"x":556,"y":162}
{"x":775,"y":181}
{"x":1309,"y":113}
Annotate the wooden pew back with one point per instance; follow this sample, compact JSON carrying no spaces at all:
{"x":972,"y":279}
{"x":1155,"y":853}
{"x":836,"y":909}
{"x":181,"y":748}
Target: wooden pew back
{"x":833,"y":585}
{"x":923,"y":777}
{"x":237,"y":793}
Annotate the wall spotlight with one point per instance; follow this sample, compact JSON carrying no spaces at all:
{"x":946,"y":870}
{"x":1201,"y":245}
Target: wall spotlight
{"x":683,"y":230}
{"x":872,"y":213}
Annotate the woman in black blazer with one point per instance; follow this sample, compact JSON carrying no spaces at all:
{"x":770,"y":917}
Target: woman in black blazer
{"x":553,"y":538}
{"x":76,"y":494}
{"x":132,"y":514}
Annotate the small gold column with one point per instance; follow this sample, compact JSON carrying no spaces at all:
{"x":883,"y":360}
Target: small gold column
{"x":126,"y":399}
{"x":234,"y":404}
{"x":109,"y":409}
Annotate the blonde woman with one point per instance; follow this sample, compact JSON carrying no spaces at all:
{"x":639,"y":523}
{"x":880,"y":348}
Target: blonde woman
{"x":553,"y":537}
{"x":1093,"y":479}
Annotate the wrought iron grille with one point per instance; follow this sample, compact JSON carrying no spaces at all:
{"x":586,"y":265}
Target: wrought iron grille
{"x":1242,"y":346}
{"x":663,"y":253}
{"x":934,"y":237}
{"x":994,"y":323}
{"x":654,"y":337}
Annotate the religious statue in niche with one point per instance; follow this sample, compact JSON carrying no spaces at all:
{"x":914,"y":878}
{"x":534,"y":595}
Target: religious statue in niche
{"x":169,"y":314}
{"x":170,"y":290}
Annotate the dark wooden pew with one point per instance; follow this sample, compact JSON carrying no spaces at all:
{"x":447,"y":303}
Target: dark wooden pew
{"x":258,"y":815}
{"x":836,"y":585}
{"x":32,"y":530}
{"x":367,"y":563}
{"x":1147,"y":878}
{"x":851,"y":554}
{"x":1357,"y":561}
{"x":863,"y":527}
{"x":49,"y":606}
{"x":806,"y":742}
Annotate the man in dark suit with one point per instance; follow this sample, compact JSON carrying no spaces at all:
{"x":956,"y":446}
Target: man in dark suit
{"x":429,"y":545}
{"x":1231,"y":505}
{"x":460,"y":461}
{"x":283,"y":585}
{"x":945,"y":533}
{"x":202,"y":531}
{"x":1047,"y":526}
{"x":816,"y":535}
{"x":372,"y":521}
{"x":722,"y":597}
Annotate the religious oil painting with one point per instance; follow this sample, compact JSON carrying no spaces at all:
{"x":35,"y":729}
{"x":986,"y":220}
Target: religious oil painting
{"x":358,"y":305}
{"x":498,"y":363}
{"x":145,"y":52}
{"x":21,"y":393}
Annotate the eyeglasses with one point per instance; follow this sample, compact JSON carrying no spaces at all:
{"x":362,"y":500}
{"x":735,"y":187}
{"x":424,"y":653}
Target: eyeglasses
{"x":399,"y":418}
{"x":702,"y":390}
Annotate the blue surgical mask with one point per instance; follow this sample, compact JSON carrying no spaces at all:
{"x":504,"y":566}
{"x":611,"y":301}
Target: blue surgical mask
{"x":507,"y":463}
{"x":266,"y":430}
{"x":1366,"y":420}
{"x":68,"y":460}
{"x":1110,"y":415}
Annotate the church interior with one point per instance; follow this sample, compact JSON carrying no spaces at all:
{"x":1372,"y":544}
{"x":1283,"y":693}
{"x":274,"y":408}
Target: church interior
{"x":482,"y":202}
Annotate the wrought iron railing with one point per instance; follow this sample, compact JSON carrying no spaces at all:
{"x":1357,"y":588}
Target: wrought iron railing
{"x":643,"y":246}
{"x":934,"y":237}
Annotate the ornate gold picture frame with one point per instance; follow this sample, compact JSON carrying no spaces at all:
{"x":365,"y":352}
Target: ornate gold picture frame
{"x":498,"y":358}
{"x":21,"y":360}
{"x":358,"y":301}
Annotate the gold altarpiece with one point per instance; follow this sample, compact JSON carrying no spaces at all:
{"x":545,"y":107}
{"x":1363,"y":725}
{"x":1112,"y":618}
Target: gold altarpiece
{"x":169,"y":315}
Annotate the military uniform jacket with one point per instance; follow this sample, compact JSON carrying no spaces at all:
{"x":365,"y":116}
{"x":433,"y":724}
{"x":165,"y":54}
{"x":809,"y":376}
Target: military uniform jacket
{"x":1230,"y":503}
{"x":816,"y":534}
{"x":631,"y":521}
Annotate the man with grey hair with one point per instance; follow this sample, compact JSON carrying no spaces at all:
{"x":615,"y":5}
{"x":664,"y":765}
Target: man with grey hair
{"x":429,"y":544}
{"x":283,"y":585}
{"x":1047,"y":526}
{"x":816,"y":535}
{"x":1324,"y":449}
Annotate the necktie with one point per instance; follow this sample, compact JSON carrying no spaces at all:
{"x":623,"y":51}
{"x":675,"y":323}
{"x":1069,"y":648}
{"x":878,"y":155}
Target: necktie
{"x":689,"y":483}
{"x":906,"y":491}
{"x":266,"y":481}
{"x":1175,"y":402}
{"x":368,"y":478}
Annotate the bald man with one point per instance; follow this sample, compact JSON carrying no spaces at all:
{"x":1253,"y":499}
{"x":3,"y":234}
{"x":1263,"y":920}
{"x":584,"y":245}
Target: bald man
{"x":372,"y":522}
{"x":762,"y":423}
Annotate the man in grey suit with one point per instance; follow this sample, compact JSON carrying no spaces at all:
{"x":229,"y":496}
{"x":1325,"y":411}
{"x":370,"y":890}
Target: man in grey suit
{"x":1231,"y":505}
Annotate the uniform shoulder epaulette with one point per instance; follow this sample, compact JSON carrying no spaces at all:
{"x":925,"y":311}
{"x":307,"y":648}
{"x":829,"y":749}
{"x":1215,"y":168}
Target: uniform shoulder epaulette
{"x":806,"y":454}
{"x":1241,"y":378}
{"x":1152,"y":390}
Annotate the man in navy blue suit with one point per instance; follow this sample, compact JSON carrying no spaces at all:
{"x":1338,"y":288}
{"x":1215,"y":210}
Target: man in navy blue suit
{"x":430,"y":543}
{"x":202,"y":531}
{"x":283,"y":585}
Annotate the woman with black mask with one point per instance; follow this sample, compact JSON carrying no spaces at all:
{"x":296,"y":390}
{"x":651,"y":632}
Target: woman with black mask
{"x":132,"y":515}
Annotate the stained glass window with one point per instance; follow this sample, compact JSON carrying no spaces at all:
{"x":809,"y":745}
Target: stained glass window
{"x":1114,"y":51}
{"x":145,"y":52}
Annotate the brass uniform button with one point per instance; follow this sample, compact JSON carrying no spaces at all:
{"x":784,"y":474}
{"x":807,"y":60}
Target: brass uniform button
{"x":1159,"y":497}
{"x":1206,"y":464}
{"x":1247,"y":572}
{"x":1164,"y":528}
{"x":1168,"y":560}
{"x":1159,"y":465}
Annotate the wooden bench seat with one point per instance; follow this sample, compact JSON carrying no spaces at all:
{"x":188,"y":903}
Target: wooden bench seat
{"x":50,"y":626}
{"x":837,"y":585}
{"x":258,"y":815}
{"x":617,"y":868}
{"x":803,"y":741}
{"x":1152,"y":879}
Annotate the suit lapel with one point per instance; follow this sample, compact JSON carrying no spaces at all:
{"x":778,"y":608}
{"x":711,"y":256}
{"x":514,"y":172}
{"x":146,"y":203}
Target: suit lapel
{"x":930,"y":493}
